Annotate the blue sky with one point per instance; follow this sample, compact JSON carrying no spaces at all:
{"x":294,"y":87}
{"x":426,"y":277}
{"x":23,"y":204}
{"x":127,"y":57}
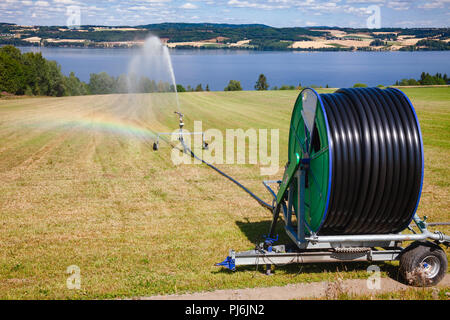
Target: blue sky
{"x":278,"y":13}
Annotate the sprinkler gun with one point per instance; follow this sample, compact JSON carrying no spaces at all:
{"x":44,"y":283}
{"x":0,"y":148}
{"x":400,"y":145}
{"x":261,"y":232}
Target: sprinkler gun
{"x":181,"y":123}
{"x":180,"y":134}
{"x":180,"y":115}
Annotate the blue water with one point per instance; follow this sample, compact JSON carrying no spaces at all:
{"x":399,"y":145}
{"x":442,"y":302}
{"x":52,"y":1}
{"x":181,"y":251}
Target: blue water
{"x":217,"y":67}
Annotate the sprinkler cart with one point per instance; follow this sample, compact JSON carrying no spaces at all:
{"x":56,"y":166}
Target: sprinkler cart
{"x":180,"y":133}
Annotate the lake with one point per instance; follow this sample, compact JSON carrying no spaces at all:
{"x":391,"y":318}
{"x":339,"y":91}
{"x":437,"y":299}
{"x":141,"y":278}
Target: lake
{"x":217,"y":67}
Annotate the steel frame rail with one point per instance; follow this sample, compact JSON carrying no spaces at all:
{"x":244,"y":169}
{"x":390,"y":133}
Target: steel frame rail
{"x":312,"y":248}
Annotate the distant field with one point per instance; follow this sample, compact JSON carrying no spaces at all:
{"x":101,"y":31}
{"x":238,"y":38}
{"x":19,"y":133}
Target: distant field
{"x":80,"y":185}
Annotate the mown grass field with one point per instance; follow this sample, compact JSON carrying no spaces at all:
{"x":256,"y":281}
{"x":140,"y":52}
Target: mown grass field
{"x":78,"y":188}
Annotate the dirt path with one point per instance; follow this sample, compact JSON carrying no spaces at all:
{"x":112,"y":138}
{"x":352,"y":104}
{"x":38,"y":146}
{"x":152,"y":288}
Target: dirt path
{"x":357,"y":287}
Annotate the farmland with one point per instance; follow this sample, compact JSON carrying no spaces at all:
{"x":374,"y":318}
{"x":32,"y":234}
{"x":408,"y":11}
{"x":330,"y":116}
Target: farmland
{"x":80,"y":185}
{"x":229,"y":36}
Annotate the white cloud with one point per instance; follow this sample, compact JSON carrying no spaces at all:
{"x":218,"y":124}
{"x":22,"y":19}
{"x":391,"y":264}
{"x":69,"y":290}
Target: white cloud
{"x":42,"y":4}
{"x":399,"y":5}
{"x":137,"y":8}
{"x":65,"y":2}
{"x":188,"y":5}
{"x":247,"y":4}
{"x":434,"y":4}
{"x":366,"y":1}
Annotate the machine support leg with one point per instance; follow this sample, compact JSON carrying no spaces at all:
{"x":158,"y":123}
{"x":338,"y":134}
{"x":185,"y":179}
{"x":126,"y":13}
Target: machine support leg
{"x":268,"y":270}
{"x":301,"y":203}
{"x":273,"y":225}
{"x":289,"y":208}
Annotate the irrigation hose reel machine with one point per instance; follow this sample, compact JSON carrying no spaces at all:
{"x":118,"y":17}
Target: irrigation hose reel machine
{"x":351,"y":186}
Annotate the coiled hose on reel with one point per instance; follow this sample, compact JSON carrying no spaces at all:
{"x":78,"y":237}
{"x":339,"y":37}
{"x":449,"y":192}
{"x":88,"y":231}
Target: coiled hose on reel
{"x":377,"y":161}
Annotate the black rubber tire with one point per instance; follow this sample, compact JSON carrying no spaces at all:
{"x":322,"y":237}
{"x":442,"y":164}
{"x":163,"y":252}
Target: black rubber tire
{"x":412,"y":269}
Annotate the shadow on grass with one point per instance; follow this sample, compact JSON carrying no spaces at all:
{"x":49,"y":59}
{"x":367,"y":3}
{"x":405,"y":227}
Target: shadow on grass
{"x":254,"y":232}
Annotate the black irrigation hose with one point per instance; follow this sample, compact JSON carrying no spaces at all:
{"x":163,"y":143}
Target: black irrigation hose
{"x":259,"y":200}
{"x":438,"y":223}
{"x":377,"y":161}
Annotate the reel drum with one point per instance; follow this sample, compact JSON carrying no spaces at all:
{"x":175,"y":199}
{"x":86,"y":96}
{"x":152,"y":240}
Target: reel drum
{"x":365,"y":156}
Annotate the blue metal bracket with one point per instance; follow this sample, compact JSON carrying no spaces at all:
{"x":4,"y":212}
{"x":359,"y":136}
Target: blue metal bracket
{"x":269,"y":242}
{"x":228,"y":263}
{"x":421,"y":223}
{"x":267,"y":239}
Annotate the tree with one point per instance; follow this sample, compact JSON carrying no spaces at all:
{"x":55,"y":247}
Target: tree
{"x":32,"y":74}
{"x":287,"y":87}
{"x":146,"y":85}
{"x":55,"y":79}
{"x":377,"y":43}
{"x":163,"y":86}
{"x":207,"y":86}
{"x":233,"y":85}
{"x":121,"y":84}
{"x":43,"y":76}
{"x":28,"y":91}
{"x":180,"y":88}
{"x":199,"y":88}
{"x":12,"y":75}
{"x":73,"y":86}
{"x":261,"y":84}
{"x":101,"y":83}
{"x":29,"y":72}
{"x":408,"y":82}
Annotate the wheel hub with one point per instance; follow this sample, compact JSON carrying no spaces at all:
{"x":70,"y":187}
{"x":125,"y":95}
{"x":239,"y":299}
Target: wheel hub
{"x":430,"y":266}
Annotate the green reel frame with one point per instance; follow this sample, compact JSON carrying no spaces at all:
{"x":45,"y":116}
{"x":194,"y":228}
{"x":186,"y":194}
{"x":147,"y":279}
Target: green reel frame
{"x":304,"y":192}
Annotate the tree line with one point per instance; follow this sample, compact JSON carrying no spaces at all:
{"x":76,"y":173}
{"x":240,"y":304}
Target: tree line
{"x":425,"y":79}
{"x":31,"y":74}
{"x":198,"y":88}
{"x":428,"y":45}
{"x":262,"y":84}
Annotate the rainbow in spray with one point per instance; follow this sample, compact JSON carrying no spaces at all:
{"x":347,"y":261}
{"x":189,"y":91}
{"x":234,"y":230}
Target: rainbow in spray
{"x":101,"y":123}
